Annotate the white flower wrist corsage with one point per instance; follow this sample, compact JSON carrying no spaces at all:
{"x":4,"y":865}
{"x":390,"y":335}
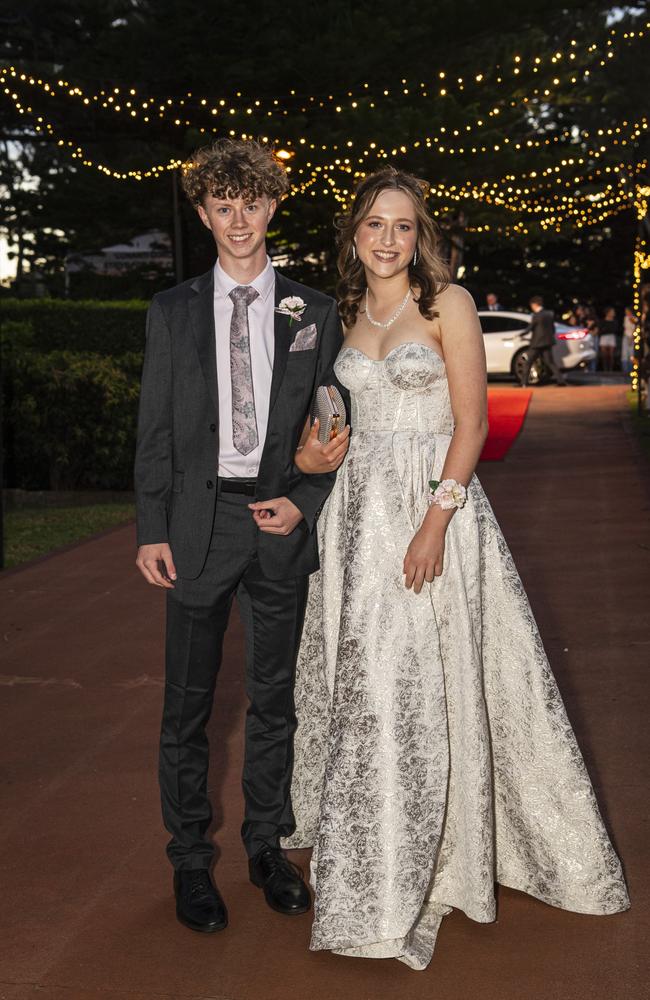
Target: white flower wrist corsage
{"x":447,"y":494}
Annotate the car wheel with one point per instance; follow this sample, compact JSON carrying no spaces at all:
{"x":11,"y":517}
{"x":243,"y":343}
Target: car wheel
{"x":539,"y":373}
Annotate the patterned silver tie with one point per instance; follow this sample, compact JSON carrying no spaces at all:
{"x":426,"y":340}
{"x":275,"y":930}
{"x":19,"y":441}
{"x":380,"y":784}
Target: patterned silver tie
{"x":244,"y":420}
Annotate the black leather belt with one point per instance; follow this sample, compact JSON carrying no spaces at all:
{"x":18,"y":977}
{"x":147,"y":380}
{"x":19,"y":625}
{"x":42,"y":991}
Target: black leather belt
{"x":246,"y":486}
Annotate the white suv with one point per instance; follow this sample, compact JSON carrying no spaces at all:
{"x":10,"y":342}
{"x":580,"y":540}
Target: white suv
{"x":505,"y":347}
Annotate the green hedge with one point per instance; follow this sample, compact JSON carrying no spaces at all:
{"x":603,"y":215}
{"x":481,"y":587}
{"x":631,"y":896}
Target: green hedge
{"x":44,"y":325}
{"x":70,"y":419}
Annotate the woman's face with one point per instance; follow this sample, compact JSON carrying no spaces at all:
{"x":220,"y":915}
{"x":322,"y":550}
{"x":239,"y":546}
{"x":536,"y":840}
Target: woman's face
{"x":386,"y":238}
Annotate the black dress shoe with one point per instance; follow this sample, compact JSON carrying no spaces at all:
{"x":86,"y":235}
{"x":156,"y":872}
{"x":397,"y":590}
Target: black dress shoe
{"x":198,"y":902}
{"x":281,"y":881}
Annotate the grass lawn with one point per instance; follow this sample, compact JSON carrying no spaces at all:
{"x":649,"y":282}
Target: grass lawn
{"x":35,"y":531}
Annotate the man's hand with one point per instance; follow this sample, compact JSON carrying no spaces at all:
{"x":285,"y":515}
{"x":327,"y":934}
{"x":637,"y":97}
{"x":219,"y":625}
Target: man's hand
{"x":276,"y":517}
{"x":313,"y":457}
{"x":156,"y":565}
{"x":424,"y":557}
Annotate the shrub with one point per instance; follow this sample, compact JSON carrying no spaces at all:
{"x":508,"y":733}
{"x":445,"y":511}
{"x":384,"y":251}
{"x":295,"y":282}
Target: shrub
{"x":45,"y":325}
{"x":71,"y":419}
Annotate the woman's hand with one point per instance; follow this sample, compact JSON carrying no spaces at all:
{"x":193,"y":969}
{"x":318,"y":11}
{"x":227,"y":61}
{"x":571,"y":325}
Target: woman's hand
{"x":313,"y":457}
{"x":424,"y":557}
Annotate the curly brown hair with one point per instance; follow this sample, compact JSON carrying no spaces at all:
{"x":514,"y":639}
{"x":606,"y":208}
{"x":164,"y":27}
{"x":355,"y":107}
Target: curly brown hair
{"x":234,"y":168}
{"x":430,"y":274}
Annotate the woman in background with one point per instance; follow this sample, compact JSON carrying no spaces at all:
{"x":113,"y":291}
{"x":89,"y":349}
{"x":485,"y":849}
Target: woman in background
{"x":608,"y":337}
{"x":591,"y":324}
{"x":630,"y":323}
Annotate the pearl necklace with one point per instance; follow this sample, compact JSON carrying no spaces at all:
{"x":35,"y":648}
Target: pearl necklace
{"x":400,"y":310}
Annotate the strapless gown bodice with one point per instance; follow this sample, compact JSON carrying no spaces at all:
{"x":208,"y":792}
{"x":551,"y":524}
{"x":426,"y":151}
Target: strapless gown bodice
{"x":406,"y":391}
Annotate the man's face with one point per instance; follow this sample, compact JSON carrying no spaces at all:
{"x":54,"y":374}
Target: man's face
{"x":238,"y":226}
{"x":491,"y":299}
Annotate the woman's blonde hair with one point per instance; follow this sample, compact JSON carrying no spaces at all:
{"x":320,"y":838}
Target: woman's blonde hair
{"x":430,"y":274}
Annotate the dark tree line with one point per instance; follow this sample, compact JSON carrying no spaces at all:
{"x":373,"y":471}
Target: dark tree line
{"x":299,"y":49}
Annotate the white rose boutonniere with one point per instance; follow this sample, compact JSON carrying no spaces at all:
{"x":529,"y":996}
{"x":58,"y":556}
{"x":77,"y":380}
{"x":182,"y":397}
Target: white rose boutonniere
{"x":292,"y":306}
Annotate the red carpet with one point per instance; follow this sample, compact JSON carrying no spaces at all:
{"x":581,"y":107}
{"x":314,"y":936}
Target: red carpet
{"x":506,"y":411}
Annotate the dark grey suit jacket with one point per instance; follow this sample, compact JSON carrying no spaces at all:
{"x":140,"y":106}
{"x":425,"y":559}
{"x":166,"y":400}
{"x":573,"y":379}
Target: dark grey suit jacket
{"x":177,"y":451}
{"x":542,"y":326}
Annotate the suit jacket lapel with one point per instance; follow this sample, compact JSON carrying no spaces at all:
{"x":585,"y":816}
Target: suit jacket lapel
{"x":202,"y":315}
{"x":284,"y":333}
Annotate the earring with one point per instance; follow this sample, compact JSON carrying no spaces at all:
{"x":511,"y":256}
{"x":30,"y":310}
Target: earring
{"x":354,"y":252}
{"x":415,"y":257}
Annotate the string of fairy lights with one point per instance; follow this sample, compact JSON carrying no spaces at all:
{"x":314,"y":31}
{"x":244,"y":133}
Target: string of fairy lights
{"x":447,"y":140}
{"x":621,"y":135}
{"x":579,"y":59}
{"x":306,"y":176}
{"x":553,"y":211}
{"x":497,"y":193}
{"x":582,"y":188}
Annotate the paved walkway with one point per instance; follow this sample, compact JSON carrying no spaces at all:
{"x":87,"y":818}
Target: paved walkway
{"x":86,"y":910}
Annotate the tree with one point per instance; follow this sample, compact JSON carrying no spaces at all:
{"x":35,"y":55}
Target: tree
{"x":322,"y":70}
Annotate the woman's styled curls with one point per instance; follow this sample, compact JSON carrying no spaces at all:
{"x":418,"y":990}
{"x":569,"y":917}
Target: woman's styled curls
{"x":232,"y":168}
{"x":429,"y":275}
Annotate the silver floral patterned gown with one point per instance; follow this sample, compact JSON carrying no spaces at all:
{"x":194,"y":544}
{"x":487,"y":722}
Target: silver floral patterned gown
{"x":433,"y":752}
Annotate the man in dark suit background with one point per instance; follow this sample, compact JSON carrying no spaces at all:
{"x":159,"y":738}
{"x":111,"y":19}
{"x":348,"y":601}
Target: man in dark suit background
{"x":542,"y":330}
{"x":231,"y":364}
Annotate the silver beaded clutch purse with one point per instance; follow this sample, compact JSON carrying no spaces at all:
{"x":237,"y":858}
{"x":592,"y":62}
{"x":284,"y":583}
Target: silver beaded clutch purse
{"x":329,"y":407}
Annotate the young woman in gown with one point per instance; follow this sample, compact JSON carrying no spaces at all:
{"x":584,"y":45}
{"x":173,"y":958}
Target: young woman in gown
{"x":433,"y":754}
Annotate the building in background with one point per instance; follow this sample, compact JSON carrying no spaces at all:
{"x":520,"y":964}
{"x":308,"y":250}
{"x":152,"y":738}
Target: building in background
{"x":150,"y":254}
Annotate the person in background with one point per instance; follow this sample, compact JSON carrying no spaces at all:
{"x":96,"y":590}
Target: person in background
{"x":492,"y":302}
{"x":542,"y":329}
{"x":630,"y":322}
{"x":608,"y":337}
{"x":590,"y":321}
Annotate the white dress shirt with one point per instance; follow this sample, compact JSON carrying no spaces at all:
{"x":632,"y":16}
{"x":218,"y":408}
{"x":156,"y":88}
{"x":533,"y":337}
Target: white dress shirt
{"x":261,"y":326}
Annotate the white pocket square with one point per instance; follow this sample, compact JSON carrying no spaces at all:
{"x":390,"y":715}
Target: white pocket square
{"x":305,"y":339}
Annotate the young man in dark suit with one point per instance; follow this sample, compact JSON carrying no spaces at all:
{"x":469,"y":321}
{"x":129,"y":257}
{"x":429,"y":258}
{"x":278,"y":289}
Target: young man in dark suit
{"x":542,"y":330}
{"x":231,"y":364}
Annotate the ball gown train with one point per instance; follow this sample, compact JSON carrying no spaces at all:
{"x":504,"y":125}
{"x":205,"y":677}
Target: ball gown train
{"x":433,"y":754}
